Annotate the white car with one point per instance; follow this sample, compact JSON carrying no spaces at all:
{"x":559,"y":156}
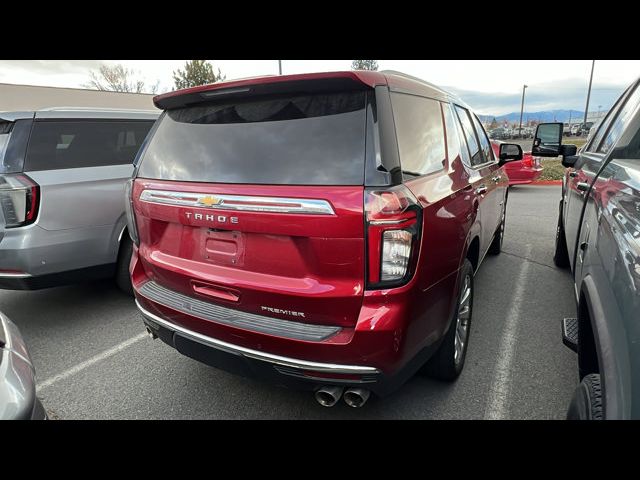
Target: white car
{"x":575,"y":129}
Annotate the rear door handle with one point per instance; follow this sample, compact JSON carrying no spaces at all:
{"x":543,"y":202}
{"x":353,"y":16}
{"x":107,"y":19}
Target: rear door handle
{"x":573,"y":174}
{"x":582,"y":186}
{"x":481,"y":190}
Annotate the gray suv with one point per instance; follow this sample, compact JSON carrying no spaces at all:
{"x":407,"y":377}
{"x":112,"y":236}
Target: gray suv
{"x":62,"y":210}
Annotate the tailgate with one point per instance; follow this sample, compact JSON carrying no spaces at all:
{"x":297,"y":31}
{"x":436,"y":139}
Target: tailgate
{"x":287,"y":252}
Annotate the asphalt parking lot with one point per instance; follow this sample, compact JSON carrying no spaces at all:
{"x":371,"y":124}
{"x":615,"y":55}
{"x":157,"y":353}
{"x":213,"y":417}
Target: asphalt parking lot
{"x":94,"y":361}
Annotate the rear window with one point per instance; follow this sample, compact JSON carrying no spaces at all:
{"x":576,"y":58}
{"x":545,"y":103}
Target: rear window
{"x":297,"y":140}
{"x":56,"y":144}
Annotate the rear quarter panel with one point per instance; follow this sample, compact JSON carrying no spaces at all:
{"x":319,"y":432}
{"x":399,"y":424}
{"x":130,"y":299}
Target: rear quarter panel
{"x":88,"y":200}
{"x":450,"y":220}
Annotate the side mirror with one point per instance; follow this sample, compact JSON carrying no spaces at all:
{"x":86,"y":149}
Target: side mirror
{"x":509,"y":152}
{"x":569,"y":157}
{"x":547,"y":140}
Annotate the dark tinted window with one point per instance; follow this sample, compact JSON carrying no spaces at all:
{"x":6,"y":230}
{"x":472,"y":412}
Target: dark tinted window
{"x":484,"y":140}
{"x":604,"y":124}
{"x":470,"y":136}
{"x":91,"y":143}
{"x":300,"y":140}
{"x":420,"y":133}
{"x":454,"y":147}
{"x":5,"y":131}
{"x":622,"y":120}
{"x":13,"y":145}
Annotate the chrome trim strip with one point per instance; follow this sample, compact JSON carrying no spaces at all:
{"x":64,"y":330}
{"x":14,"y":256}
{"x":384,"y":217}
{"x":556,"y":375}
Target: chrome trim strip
{"x":244,"y":203}
{"x":15,"y":275}
{"x":262,"y":356}
{"x":387,"y":222}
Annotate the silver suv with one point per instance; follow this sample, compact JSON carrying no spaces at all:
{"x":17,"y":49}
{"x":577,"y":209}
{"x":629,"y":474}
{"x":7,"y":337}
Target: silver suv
{"x":62,"y":210}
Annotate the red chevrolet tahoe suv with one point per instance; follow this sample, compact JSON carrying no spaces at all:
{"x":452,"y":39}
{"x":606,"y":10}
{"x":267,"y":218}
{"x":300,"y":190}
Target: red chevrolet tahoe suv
{"x":320,"y":230}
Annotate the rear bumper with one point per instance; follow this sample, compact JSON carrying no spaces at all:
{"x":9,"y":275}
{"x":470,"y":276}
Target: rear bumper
{"x":30,"y":252}
{"x":372,"y":357}
{"x":288,"y":372}
{"x":23,"y":281}
{"x":249,"y":362}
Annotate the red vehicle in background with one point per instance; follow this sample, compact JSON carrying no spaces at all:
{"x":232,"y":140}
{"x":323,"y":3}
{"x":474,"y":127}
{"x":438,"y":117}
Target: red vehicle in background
{"x":522,"y":171}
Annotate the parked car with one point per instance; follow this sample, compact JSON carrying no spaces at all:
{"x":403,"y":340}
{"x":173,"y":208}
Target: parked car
{"x":314,"y":230}
{"x":499,"y":133}
{"x":585,"y":128}
{"x":62,"y":175}
{"x":598,"y":238}
{"x":522,"y":171}
{"x":566,"y":130}
{"x":575,"y":129}
{"x":522,"y":132}
{"x":18,"y":400}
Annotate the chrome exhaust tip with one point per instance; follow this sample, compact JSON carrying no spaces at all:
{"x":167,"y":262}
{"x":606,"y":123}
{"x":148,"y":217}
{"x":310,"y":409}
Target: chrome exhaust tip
{"x":151,"y":333}
{"x":356,"y":397}
{"x":328,"y":396}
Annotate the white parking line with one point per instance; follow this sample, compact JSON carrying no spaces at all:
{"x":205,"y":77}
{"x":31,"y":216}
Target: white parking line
{"x":93,"y":360}
{"x":498,"y":404}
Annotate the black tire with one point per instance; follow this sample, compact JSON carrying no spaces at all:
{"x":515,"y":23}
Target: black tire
{"x":123,"y":279}
{"x":561,"y":255}
{"x":443,"y":365}
{"x":496,"y":245}
{"x":586,"y":403}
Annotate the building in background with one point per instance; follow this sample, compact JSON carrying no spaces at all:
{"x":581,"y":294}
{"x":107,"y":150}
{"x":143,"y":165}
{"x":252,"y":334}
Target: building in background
{"x":31,"y":97}
{"x":597,"y":115}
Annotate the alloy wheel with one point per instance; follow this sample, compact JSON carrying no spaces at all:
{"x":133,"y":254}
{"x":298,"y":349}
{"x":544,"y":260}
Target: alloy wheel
{"x":462,"y":321}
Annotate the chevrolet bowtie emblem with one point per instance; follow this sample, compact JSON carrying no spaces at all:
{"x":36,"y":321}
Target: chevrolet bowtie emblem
{"x":209,"y":200}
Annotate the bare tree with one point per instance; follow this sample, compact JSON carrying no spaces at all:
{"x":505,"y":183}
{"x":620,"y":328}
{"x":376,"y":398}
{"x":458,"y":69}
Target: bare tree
{"x":117,"y":78}
{"x":364,"y":65}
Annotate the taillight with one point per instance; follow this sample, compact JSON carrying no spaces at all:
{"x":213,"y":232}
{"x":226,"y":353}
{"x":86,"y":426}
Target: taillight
{"x":131,"y":216}
{"x":527,"y":160}
{"x":19,"y":200}
{"x":393,"y":220}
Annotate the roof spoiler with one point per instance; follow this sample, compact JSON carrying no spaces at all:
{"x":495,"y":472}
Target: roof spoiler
{"x":270,"y":85}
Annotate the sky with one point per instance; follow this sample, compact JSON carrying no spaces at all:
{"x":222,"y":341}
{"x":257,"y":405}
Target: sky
{"x":491,"y":87}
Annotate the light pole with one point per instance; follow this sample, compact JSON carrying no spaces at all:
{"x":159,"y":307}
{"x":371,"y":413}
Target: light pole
{"x":524,"y":87}
{"x":586,"y":109}
{"x":279,"y":67}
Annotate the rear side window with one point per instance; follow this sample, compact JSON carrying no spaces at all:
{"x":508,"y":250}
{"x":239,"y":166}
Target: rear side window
{"x":5,"y":131}
{"x":619,"y":124}
{"x":13,"y":145}
{"x":84,"y":143}
{"x":484,"y":141}
{"x":314,"y":139}
{"x":420,"y":133}
{"x":470,"y":136}
{"x":454,"y":147}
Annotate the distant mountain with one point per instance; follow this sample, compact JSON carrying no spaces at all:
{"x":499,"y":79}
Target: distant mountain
{"x":573,"y":116}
